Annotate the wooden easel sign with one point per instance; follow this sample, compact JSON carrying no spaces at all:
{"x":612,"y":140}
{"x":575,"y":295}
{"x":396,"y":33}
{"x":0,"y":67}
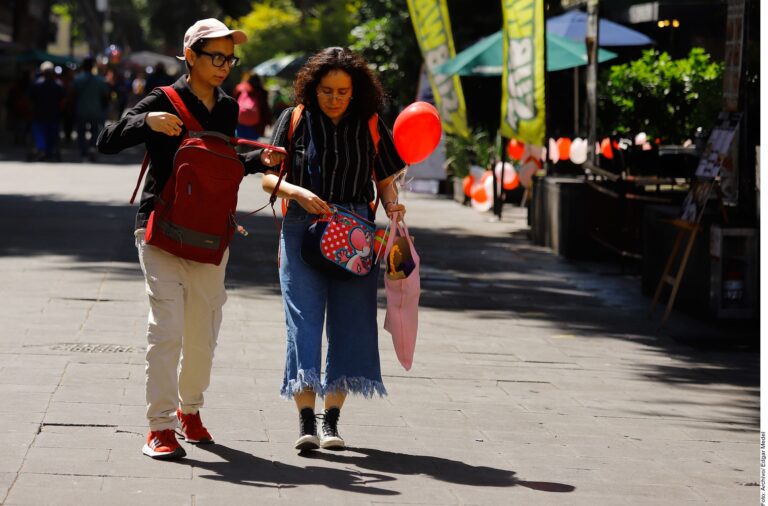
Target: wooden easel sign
{"x":688,"y":225}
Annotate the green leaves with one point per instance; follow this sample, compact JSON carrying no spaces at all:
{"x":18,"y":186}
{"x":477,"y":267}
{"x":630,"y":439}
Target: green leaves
{"x":666,"y":98}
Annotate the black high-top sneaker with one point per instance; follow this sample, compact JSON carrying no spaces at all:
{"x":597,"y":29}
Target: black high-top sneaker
{"x":307,"y":431}
{"x":329,"y":433}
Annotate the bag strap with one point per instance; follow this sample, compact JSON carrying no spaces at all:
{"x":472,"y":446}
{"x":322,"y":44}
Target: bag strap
{"x":295,"y":119}
{"x":181,"y":109}
{"x":144,"y":165}
{"x":373,"y":127}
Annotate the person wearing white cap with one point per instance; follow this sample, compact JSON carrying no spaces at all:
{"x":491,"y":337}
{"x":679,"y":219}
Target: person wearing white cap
{"x":47,"y":97}
{"x":185,"y":296}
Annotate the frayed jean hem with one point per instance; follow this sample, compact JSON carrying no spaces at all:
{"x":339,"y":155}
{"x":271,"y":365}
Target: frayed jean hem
{"x":305,"y":380}
{"x":356,"y":385}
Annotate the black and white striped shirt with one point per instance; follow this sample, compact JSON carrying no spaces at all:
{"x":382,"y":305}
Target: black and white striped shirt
{"x":346,"y":153}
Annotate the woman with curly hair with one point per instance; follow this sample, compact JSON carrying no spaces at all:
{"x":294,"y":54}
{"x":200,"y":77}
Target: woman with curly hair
{"x":339,"y":95}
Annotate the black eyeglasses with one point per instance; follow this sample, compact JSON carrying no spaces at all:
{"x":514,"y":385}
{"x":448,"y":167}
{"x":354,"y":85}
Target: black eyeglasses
{"x":219,"y":59}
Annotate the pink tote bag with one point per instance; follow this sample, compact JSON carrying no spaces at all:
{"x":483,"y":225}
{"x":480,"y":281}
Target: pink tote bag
{"x":403,"y":287}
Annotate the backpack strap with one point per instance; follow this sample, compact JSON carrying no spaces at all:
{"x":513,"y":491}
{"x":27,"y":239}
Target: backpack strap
{"x":144,"y":166}
{"x":295,"y":120}
{"x":181,"y":109}
{"x":373,"y":127}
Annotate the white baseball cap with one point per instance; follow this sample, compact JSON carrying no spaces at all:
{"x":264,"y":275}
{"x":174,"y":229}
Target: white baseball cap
{"x":46,"y":66}
{"x":210,"y":28}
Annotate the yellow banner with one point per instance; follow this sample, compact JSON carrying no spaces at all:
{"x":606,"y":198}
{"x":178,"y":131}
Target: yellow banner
{"x":522,"y":83}
{"x":433,"y":32}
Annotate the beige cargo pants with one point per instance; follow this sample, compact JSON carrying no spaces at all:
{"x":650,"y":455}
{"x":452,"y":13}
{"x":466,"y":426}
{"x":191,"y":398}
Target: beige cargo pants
{"x":185,"y":300}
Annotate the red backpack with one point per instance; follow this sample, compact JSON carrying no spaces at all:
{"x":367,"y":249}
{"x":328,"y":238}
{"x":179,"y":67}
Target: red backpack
{"x":194,"y":215}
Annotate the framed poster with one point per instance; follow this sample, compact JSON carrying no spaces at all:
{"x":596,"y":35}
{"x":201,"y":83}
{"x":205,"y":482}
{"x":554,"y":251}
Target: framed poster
{"x":716,"y":151}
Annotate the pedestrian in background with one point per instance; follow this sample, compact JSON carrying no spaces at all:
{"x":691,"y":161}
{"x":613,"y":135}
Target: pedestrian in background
{"x":47,"y":97}
{"x":339,"y":94}
{"x":91,"y":95}
{"x":185,"y":297}
{"x":255,"y":114}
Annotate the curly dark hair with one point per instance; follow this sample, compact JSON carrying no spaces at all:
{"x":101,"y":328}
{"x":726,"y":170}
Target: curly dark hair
{"x":367,"y":93}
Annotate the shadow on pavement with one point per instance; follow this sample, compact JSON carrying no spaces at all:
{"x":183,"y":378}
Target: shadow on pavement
{"x":439,"y":468}
{"x":245,"y":469}
{"x":242,"y":468}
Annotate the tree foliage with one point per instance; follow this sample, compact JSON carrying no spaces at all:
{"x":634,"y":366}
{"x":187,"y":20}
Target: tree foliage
{"x":384,"y":36}
{"x":276,"y":27}
{"x":662,"y":97}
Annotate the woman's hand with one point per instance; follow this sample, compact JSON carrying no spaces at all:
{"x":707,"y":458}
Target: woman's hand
{"x":164,"y":123}
{"x":311,"y":202}
{"x":271,"y":158}
{"x":392,"y":208}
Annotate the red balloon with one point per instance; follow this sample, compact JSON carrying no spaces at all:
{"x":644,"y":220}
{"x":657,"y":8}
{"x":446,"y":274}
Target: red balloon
{"x":417,"y":132}
{"x":605,"y":148}
{"x":515,"y":149}
{"x":468,"y":181}
{"x":564,"y":146}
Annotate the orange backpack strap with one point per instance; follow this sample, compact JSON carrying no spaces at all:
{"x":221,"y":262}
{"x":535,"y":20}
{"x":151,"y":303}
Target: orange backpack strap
{"x":295,"y":119}
{"x":373,"y":127}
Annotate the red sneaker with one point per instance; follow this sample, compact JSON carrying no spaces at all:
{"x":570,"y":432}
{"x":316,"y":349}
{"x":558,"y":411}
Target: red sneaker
{"x":192,"y":428}
{"x":162,"y":444}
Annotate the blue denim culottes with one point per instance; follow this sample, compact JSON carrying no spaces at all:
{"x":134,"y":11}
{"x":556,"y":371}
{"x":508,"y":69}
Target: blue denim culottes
{"x":348,"y":310}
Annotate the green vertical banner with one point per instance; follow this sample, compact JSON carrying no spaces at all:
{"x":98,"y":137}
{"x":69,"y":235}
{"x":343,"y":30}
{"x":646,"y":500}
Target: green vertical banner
{"x":433,"y":32}
{"x":522,"y":83}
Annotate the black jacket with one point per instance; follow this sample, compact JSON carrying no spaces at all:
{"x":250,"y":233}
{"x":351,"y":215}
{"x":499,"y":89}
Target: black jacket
{"x":132,"y":129}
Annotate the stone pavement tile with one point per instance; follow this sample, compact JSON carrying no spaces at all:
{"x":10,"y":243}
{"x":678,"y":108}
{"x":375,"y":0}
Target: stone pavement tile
{"x":20,"y":375}
{"x":400,"y":387}
{"x":105,"y":438}
{"x":518,"y":492}
{"x":646,"y":429}
{"x":402,"y":439}
{"x":535,"y":433}
{"x":735,"y":495}
{"x":589,"y":484}
{"x":437,"y":419}
{"x":578,"y":426}
{"x":471,"y":391}
{"x":660,"y":472}
{"x":6,"y":480}
{"x":713,"y":432}
{"x":351,"y":486}
{"x":429,"y":437}
{"x":88,"y":373}
{"x":38,"y":362}
{"x":94,"y":393}
{"x":24,"y":401}
{"x":505,"y":420}
{"x":606,"y":492}
{"x":538,"y":448}
{"x":735,"y":454}
{"x":15,"y":449}
{"x":85,"y":413}
{"x":45,"y":489}
{"x":77,"y":461}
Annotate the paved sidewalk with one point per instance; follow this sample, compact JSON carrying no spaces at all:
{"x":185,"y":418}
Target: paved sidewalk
{"x":535,"y":381}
